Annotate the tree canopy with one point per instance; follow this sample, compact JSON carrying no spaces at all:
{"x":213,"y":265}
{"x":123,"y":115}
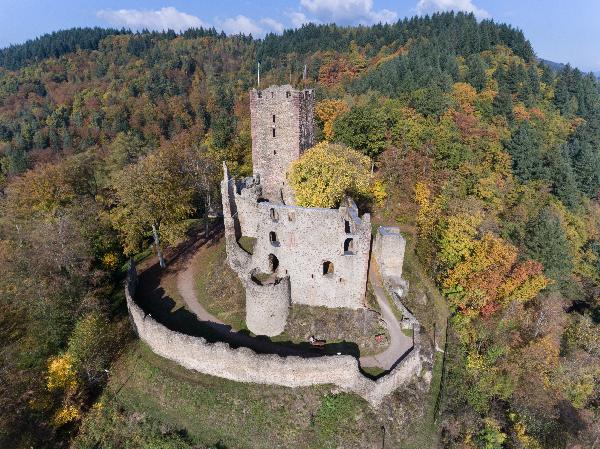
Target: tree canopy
{"x":327,"y":173}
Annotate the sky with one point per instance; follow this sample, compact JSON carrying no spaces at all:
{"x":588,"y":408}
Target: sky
{"x":560,"y":30}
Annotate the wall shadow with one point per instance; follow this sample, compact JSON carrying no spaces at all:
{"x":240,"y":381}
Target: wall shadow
{"x":153,"y":300}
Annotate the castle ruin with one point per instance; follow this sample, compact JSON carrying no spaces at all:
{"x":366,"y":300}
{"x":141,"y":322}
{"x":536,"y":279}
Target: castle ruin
{"x":312,"y":256}
{"x":300,"y":255}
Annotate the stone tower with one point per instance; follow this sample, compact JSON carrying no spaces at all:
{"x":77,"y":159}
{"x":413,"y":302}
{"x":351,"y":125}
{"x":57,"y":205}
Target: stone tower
{"x":282,"y":129}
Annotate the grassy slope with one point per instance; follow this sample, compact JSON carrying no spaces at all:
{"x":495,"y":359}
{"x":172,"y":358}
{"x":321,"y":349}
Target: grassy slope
{"x":214,"y":411}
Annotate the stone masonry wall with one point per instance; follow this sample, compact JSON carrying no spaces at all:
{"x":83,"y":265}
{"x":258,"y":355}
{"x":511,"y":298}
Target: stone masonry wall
{"x":304,"y":239}
{"x":244,"y":365}
{"x":282,"y":129}
{"x":267,"y":306}
{"x":389,"y":247}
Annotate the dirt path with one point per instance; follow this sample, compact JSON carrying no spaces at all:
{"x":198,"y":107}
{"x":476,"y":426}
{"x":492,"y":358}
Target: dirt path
{"x":399,"y":343}
{"x":186,"y":285}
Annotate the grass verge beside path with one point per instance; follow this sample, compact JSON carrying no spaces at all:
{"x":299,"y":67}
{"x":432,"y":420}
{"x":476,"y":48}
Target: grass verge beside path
{"x":218,"y":288}
{"x":151,"y":400}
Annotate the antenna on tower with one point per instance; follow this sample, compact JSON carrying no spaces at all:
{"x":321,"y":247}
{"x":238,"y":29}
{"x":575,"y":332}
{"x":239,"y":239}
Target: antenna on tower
{"x":258,"y":75}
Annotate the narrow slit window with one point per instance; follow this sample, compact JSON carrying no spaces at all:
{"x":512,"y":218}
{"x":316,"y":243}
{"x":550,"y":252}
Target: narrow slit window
{"x":273,"y":118}
{"x":273,"y":239}
{"x":347,"y":226}
{"x":273,"y":132}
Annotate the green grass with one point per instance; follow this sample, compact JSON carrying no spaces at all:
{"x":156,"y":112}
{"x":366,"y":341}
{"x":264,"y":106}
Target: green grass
{"x":247,"y":244}
{"x":150,"y":399}
{"x":373,"y":370}
{"x":218,"y":288}
{"x":371,"y":299}
{"x":434,"y":312}
{"x":408,"y":332}
{"x":436,"y":385}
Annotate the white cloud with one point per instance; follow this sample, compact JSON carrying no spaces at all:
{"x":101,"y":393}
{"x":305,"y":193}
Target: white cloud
{"x":430,"y":6}
{"x":241,"y":24}
{"x":298,"y":18}
{"x":160,"y":19}
{"x":273,"y":25}
{"x":347,"y":11}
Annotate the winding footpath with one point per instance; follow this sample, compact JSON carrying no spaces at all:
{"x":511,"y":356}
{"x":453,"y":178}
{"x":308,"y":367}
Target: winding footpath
{"x":399,"y":343}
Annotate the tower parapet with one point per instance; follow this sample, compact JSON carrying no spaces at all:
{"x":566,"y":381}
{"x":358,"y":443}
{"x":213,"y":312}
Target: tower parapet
{"x":282,"y":129}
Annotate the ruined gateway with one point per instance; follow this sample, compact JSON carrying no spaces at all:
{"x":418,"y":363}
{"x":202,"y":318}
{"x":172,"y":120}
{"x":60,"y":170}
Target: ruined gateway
{"x":312,"y":256}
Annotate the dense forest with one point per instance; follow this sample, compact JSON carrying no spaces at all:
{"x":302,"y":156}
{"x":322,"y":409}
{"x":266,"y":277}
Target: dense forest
{"x":108,"y":136}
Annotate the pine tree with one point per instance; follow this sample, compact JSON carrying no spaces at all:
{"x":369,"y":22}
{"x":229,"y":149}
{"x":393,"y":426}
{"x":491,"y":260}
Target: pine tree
{"x":561,"y":175}
{"x":503,"y":104}
{"x":586,"y":162}
{"x":525,"y":150}
{"x":476,"y":73}
{"x":547,"y":243}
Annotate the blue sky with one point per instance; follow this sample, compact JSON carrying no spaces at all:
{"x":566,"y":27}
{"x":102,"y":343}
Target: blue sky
{"x":560,"y":30}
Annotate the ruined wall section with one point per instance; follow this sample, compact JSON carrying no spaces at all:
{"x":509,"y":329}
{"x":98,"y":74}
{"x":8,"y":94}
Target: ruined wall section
{"x":310,"y":249}
{"x":282,"y":129}
{"x":267,"y":306}
{"x":303,"y":240}
{"x":388,"y":248}
{"x":244,"y":365}
{"x":238,"y":259}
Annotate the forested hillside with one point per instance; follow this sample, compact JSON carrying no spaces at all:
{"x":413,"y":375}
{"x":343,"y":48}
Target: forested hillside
{"x":490,"y":156}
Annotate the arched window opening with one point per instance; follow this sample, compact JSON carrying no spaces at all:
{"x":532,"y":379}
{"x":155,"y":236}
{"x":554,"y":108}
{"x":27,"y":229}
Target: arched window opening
{"x":327,"y":268}
{"x":273,"y":239}
{"x":349,"y":246}
{"x":274,"y":214}
{"x":273,"y":263}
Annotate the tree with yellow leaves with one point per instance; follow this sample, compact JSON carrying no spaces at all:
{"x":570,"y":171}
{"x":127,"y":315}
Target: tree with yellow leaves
{"x":327,"y":111}
{"x":154,"y":196}
{"x":328,"y":172}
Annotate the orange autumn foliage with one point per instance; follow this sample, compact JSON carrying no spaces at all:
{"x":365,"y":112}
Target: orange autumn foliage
{"x":489,"y":277}
{"x":328,"y":111}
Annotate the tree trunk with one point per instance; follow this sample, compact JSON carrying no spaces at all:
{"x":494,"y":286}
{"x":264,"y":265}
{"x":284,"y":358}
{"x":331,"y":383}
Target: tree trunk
{"x":161,"y":259}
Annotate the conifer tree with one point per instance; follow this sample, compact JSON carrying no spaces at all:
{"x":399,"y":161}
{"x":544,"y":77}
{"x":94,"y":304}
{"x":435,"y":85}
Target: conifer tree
{"x":547,"y":243}
{"x":524,"y":148}
{"x":476,"y":73}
